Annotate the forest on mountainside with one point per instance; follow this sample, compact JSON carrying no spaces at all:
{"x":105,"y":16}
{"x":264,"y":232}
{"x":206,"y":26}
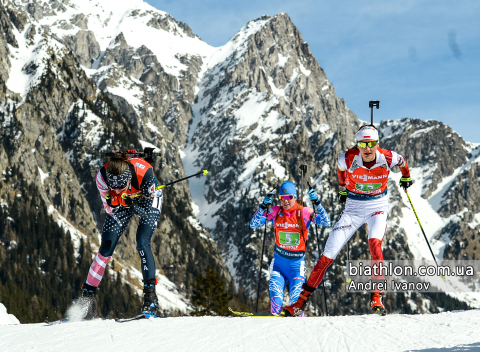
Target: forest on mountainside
{"x":40,"y":271}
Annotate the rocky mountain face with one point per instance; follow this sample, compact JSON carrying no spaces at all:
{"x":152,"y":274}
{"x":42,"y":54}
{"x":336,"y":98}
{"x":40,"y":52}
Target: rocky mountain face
{"x":59,"y":115}
{"x":80,"y":78}
{"x":264,"y":107}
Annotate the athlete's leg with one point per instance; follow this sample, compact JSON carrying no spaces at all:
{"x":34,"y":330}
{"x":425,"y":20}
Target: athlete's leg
{"x":377,"y":225}
{"x":111,"y":232}
{"x":276,"y":286}
{"x":145,"y":230}
{"x":296,"y":278}
{"x":342,"y":231}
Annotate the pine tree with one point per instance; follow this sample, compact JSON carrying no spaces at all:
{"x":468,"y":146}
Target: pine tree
{"x":209,"y":294}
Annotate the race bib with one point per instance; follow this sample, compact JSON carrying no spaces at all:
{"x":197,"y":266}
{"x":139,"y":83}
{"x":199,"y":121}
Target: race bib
{"x":365,"y":187}
{"x":289,"y":238}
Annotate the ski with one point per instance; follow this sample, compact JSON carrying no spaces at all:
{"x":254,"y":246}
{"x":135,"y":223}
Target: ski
{"x":137,"y":317}
{"x":61,"y":321}
{"x":257,"y":315}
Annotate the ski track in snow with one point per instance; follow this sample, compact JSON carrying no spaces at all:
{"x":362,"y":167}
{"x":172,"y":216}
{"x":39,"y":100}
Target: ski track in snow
{"x":451,"y":331}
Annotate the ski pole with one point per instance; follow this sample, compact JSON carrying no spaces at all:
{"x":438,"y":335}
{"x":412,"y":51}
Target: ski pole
{"x":433,"y":255}
{"x":261,"y":259}
{"x":204,"y":172}
{"x":319,"y":251}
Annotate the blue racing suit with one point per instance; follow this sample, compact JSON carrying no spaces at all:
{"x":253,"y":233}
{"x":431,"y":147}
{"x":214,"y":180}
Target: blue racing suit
{"x":287,"y":266}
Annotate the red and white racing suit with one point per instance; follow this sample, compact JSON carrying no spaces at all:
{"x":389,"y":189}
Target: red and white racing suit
{"x":367,"y":203}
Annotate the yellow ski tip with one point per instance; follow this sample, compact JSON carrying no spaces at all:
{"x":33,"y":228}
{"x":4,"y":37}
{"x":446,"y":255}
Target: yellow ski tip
{"x":205,"y":172}
{"x":160,"y":187}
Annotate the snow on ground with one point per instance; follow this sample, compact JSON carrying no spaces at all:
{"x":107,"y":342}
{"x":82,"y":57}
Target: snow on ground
{"x":5,"y":318}
{"x":168,"y":296}
{"x":450,"y":331}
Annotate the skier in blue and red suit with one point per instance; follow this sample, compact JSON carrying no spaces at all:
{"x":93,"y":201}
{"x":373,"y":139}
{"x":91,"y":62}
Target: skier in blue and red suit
{"x":291,"y":222}
{"x":127,"y":187}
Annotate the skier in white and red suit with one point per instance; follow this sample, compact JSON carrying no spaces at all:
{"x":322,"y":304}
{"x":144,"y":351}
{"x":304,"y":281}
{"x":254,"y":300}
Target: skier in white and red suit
{"x":363,"y":171}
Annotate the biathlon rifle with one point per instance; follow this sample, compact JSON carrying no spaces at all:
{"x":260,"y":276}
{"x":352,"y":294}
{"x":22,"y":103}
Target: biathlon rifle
{"x":147,"y":154}
{"x":371,"y":105}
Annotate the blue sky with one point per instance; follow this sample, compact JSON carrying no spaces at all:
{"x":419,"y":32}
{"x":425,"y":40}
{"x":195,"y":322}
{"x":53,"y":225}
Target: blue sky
{"x":420,"y":58}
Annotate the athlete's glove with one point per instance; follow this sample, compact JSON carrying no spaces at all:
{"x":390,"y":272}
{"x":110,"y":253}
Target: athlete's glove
{"x":406,"y":182}
{"x":127,"y":202}
{"x":268,"y":200}
{"x":301,"y":304}
{"x":312,"y":194}
{"x":342,"y":196}
{"x":112,"y":200}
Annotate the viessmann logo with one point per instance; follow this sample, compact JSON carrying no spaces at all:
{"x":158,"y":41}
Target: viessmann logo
{"x":286,"y":225}
{"x":341,"y":227}
{"x":366,"y":177}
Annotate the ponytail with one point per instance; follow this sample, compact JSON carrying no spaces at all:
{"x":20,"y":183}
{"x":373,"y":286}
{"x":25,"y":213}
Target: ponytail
{"x":118,"y":164}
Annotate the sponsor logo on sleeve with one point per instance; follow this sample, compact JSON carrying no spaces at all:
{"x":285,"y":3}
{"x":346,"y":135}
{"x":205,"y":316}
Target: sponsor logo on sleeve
{"x":140,"y":166}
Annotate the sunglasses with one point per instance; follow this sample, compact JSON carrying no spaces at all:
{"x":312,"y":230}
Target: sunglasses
{"x":370,"y":144}
{"x":119,"y":188}
{"x":285,"y":197}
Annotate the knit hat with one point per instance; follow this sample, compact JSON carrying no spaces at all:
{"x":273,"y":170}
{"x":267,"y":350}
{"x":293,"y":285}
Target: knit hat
{"x":288,"y":188}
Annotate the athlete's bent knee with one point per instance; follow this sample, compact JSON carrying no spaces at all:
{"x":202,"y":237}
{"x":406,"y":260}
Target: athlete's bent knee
{"x":106,"y":248}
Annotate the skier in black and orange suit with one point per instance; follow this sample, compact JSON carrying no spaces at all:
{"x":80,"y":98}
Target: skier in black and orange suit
{"x":127,"y":188}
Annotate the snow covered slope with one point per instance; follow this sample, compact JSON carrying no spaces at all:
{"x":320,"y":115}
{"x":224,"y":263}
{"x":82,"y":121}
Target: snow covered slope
{"x":5,"y":318}
{"x":446,"y":332}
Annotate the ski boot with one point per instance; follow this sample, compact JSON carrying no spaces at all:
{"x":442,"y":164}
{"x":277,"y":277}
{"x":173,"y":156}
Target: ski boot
{"x":377,"y":305}
{"x":301,"y":304}
{"x":88,"y":291}
{"x":87,"y":301}
{"x":150,"y":300}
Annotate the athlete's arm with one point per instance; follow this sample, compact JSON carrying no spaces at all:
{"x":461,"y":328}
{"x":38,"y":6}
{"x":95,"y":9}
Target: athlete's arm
{"x":395,"y":159}
{"x":103,"y":190}
{"x":322,"y":217}
{"x":259,"y":218}
{"x":143,"y":204}
{"x":342,"y":170}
